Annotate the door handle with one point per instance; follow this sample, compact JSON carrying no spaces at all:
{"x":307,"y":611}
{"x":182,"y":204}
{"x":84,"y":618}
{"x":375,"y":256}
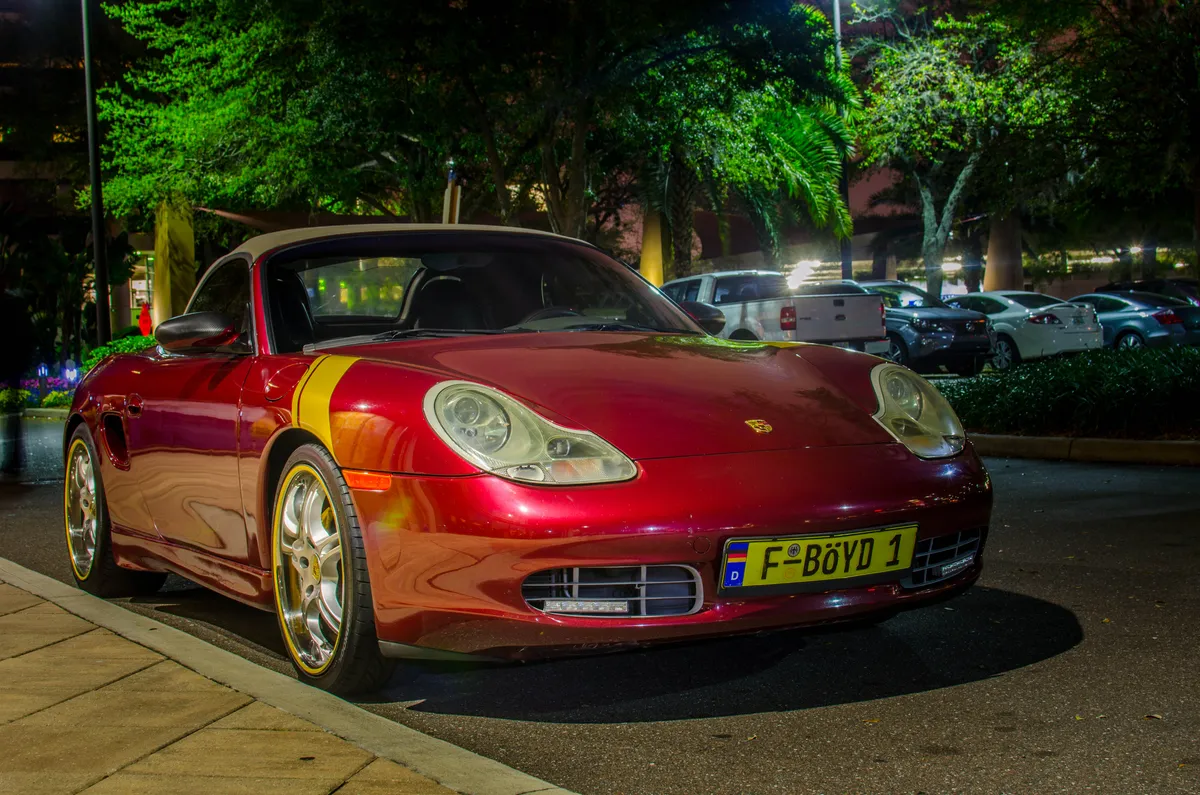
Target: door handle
{"x":133,"y":406}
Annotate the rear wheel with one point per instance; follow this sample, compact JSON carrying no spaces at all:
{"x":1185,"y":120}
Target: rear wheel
{"x":319,"y":571}
{"x":1129,"y":341}
{"x":89,"y":536}
{"x":1005,"y":356}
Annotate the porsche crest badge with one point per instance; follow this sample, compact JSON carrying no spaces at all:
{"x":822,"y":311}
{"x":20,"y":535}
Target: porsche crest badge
{"x":759,"y":426}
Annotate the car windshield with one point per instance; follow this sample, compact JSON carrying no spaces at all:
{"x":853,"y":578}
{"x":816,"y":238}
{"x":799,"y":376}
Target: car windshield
{"x":1033,"y":300}
{"x":445,"y":283}
{"x":903,"y":296}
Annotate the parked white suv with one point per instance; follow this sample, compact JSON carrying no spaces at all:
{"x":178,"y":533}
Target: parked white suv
{"x":759,"y":305}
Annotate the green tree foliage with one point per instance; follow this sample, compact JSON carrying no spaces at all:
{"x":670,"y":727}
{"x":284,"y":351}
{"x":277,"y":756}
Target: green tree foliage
{"x":951,"y":99}
{"x":319,"y":105}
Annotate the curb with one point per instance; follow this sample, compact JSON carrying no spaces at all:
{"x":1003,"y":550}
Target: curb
{"x":1112,"y":451}
{"x":46,"y":414}
{"x":452,"y":767}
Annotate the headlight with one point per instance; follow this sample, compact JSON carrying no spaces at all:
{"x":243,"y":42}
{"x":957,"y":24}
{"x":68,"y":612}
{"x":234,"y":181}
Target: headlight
{"x":501,"y":436}
{"x":914,"y":412}
{"x":924,"y":325}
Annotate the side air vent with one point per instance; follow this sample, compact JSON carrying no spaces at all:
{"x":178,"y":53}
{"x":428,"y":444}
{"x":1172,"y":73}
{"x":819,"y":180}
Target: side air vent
{"x":941,"y":558}
{"x":615,"y":591}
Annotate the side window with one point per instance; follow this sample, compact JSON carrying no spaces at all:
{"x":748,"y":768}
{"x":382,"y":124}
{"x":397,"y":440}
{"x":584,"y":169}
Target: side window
{"x":692,"y":290}
{"x":1085,"y":299}
{"x":989,"y":306}
{"x":1110,"y":305}
{"x":674,"y":291}
{"x":963,"y":303}
{"x":226,"y":290}
{"x":733,"y":289}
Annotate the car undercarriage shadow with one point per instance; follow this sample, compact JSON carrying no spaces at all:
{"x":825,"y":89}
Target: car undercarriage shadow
{"x":984,"y":633}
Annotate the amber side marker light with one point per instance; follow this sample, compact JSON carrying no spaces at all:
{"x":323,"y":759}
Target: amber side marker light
{"x":367,"y":481}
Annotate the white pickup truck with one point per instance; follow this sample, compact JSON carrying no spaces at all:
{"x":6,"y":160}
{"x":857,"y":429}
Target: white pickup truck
{"x":759,"y":305}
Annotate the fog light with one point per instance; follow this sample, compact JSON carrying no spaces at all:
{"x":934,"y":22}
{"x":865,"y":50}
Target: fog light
{"x":584,"y":606}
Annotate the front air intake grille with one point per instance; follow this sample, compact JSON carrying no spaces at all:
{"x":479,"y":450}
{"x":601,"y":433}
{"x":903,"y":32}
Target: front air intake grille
{"x":615,"y":591}
{"x":943,"y":557}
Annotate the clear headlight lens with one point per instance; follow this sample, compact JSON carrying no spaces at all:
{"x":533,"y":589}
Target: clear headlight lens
{"x":914,"y":412}
{"x":502,"y":436}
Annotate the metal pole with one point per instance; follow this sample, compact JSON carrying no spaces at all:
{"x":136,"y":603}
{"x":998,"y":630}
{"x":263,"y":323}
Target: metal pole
{"x":99,"y":240}
{"x":844,"y":181}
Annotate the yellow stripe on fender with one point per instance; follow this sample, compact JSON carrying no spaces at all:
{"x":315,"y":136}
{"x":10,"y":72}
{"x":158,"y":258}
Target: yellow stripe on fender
{"x":310,"y":403}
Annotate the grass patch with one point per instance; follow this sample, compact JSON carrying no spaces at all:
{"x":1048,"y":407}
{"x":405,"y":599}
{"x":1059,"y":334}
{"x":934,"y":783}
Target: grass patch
{"x":1143,"y":394}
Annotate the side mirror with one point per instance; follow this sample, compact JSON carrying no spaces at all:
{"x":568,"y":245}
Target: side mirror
{"x":198,"y":332}
{"x":707,"y":316}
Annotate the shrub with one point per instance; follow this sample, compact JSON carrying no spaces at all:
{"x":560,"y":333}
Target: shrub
{"x":13,"y":400}
{"x":1141,"y":394}
{"x":57,"y":400}
{"x":126,"y":345}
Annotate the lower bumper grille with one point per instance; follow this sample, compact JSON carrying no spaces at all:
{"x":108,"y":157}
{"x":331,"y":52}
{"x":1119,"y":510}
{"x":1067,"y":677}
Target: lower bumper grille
{"x":940,"y":558}
{"x":615,"y":591}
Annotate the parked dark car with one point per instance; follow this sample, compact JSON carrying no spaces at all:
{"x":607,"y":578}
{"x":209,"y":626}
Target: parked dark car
{"x":1136,"y":320}
{"x":924,"y":333}
{"x":1184,"y":289}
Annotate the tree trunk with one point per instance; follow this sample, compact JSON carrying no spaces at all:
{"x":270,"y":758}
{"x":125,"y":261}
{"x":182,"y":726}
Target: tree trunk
{"x":682,"y":192}
{"x":1004,"y":268}
{"x":937,"y":232}
{"x":879,"y":258}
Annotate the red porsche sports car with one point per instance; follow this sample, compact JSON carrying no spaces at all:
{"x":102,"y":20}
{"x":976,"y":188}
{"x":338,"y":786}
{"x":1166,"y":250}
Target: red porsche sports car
{"x":480,"y":443}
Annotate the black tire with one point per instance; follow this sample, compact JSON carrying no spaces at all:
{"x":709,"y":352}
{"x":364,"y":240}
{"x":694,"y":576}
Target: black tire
{"x":101,"y":576}
{"x":897,"y":351}
{"x":355,"y":665}
{"x":1129,"y":341}
{"x":1005,"y":345}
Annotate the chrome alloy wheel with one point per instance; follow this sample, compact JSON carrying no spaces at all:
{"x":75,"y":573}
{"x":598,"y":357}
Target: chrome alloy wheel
{"x":1002,"y":359}
{"x":308,"y":569}
{"x":81,"y":511}
{"x":894,"y":352}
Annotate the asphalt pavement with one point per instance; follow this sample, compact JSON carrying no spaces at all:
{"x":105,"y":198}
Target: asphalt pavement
{"x":1073,"y":666}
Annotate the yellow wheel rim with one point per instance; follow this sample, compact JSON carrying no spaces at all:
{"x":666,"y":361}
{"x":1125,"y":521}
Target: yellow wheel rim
{"x":306,"y":545}
{"x":80,"y":509}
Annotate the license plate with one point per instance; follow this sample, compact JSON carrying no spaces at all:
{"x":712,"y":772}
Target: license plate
{"x":765,"y":565}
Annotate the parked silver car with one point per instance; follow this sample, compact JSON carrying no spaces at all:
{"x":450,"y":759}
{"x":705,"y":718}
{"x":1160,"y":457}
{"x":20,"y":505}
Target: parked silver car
{"x":1136,"y":320}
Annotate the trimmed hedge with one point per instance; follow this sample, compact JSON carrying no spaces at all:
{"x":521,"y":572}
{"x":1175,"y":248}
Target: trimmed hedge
{"x":125,"y":345}
{"x":1140,"y":394}
{"x":57,"y":400}
{"x":12,"y":400}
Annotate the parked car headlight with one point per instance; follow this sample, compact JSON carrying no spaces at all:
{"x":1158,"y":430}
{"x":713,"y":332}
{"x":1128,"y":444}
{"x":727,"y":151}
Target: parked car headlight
{"x":914,"y":412}
{"x":922,"y":325}
{"x":504,"y":437}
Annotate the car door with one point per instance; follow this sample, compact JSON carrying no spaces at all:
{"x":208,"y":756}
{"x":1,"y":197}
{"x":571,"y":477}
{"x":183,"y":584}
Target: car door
{"x":183,"y":433}
{"x":1113,"y":314}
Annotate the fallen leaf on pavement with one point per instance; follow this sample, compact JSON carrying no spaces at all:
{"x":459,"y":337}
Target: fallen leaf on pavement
{"x":870,"y":720}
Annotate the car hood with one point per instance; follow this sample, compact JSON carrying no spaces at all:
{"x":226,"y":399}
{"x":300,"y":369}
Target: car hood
{"x":933,"y":313}
{"x":656,"y":396}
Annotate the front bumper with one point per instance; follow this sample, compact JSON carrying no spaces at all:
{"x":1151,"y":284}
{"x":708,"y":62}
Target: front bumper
{"x":936,"y":348}
{"x":447,"y":556}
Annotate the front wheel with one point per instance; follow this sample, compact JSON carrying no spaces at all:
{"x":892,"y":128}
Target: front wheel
{"x":1005,"y":356}
{"x":897,"y":351}
{"x":319,"y":572}
{"x":89,"y":532}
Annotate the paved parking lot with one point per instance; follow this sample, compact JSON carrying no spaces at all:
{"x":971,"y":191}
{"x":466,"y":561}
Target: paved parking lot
{"x":1071,"y":667}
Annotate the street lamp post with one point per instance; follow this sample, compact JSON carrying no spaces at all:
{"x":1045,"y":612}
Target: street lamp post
{"x":99,"y":241}
{"x":844,"y":182}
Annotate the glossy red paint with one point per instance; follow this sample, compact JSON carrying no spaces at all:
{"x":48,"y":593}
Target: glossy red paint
{"x":190,"y":480}
{"x":448,"y":555}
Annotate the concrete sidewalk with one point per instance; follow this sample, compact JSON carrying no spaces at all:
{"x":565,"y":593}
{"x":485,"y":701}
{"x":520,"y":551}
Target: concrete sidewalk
{"x":85,"y":710}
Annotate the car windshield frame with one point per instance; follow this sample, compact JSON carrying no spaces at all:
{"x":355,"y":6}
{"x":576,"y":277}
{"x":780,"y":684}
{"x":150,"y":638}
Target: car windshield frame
{"x":530,"y":268}
{"x":893,"y":291}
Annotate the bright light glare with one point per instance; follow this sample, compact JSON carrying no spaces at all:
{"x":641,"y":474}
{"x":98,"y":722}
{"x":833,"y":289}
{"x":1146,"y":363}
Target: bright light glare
{"x":951,"y":267}
{"x":1135,"y":250}
{"x":802,"y":272}
{"x":1180,"y":264}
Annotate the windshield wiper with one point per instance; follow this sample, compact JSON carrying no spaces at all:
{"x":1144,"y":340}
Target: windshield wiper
{"x":623,"y":326}
{"x":400,"y":334}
